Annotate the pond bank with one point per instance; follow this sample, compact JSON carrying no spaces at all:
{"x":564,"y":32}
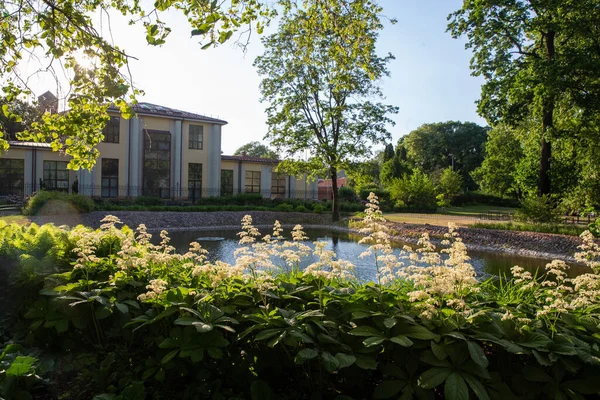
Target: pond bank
{"x":530,"y":244}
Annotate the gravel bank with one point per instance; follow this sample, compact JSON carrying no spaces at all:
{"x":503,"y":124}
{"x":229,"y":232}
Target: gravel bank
{"x":529,"y":244}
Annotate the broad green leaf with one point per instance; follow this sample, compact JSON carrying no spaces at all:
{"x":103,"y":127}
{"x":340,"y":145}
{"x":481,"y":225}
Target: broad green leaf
{"x":366,"y":362}
{"x":267,"y":333}
{"x":476,"y":386}
{"x":455,"y":388}
{"x":390,"y":322}
{"x":171,"y":355}
{"x":345,"y":360}
{"x":365,"y":331}
{"x":434,"y":377}
{"x":477,"y":354}
{"x":373,"y":341}
{"x":21,"y":365}
{"x":202,"y":327}
{"x":330,"y":362}
{"x":420,"y":332}
{"x":305,"y":354}
{"x":402,"y":341}
{"x":535,"y":340}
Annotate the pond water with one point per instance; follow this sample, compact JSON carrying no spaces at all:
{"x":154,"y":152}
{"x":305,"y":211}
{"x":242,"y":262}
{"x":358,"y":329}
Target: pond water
{"x":221,"y":245}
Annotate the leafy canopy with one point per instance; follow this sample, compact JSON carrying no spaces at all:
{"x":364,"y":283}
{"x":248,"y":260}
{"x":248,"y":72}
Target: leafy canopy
{"x":256,"y":149}
{"x":59,"y":34}
{"x":320,"y":78}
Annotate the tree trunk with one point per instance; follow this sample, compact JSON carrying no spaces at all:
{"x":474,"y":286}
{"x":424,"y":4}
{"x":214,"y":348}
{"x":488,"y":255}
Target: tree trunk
{"x":335,"y":210}
{"x":547,"y":124}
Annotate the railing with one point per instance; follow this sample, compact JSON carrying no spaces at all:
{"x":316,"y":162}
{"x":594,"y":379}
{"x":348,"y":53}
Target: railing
{"x":176,"y":193}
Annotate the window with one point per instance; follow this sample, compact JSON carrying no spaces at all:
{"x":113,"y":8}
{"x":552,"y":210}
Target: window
{"x":111,"y":130}
{"x":195,"y":180}
{"x":277,"y":184}
{"x":110,"y":177}
{"x":196,"y":137}
{"x":226,"y":182}
{"x":252,"y":182}
{"x":157,"y":164}
{"x":12,"y":172}
{"x":56,"y":176}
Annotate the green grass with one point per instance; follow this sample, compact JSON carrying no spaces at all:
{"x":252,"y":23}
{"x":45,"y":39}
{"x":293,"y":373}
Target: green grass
{"x":561,"y":229}
{"x":477,"y":209}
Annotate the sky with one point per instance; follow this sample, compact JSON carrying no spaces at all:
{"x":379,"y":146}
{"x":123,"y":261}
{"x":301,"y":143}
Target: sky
{"x":430,"y":78}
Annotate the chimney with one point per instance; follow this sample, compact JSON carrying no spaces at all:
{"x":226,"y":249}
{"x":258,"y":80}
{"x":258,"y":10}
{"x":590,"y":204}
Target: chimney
{"x":243,"y":154}
{"x":48,"y":102}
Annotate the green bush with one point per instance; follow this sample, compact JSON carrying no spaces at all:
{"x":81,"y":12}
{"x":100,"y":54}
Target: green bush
{"x":483,"y":198}
{"x":300,"y":208}
{"x":285,"y":207}
{"x":414,"y":192}
{"x":148,"y":201}
{"x":51,"y":203}
{"x":140,"y":322}
{"x":594,"y":227}
{"x":559,"y":229}
{"x":347,"y":194}
{"x":536,"y":209}
{"x":318,"y":208}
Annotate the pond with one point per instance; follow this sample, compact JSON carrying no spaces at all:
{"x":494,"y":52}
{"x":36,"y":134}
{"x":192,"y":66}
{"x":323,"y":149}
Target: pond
{"x":221,"y":245}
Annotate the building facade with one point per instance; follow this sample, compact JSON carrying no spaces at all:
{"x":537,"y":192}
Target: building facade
{"x":161,"y":152}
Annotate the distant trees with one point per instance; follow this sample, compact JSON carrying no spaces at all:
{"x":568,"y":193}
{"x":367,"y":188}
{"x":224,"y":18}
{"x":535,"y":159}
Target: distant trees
{"x":256,"y":149}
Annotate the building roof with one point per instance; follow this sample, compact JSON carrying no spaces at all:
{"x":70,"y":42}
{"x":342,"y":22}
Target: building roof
{"x":341,"y":181}
{"x":143,"y":108}
{"x":250,"y":159}
{"x":38,"y":145}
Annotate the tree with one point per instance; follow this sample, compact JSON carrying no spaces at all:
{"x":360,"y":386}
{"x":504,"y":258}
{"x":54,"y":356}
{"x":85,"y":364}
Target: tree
{"x":433,"y":147}
{"x":60,"y":33}
{"x":388,"y":152}
{"x":533,"y":55}
{"x":256,"y":149}
{"x":415,"y":191}
{"x":503,"y":154}
{"x":24,"y":116}
{"x":450,"y":184}
{"x":320,"y":74}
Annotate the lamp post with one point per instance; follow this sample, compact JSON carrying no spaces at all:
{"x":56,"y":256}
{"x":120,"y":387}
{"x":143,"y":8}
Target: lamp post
{"x":452,"y":156}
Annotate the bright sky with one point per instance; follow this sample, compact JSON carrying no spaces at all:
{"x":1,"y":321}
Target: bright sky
{"x":430,"y":78}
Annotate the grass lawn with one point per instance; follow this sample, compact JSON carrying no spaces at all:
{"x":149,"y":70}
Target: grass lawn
{"x":477,"y":209}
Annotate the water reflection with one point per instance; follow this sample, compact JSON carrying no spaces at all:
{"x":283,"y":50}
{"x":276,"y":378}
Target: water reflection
{"x":347,"y":248}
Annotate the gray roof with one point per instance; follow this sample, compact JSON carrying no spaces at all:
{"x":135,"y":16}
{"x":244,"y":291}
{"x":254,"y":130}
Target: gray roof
{"x":250,"y":159}
{"x":39,"y":145}
{"x":143,"y":108}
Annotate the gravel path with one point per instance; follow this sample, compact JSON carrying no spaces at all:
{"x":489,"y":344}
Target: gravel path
{"x":530,"y":244}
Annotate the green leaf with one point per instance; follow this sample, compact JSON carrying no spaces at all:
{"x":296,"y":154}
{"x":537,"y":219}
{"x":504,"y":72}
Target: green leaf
{"x":439,"y":350}
{"x":62,"y":325}
{"x":387,"y":389}
{"x":202,"y":327}
{"x":169,"y":343}
{"x":534,"y":374}
{"x":455,"y":388}
{"x":477,"y":354}
{"x":267,"y":333}
{"x":171,"y":355}
{"x":476,"y":386}
{"x":390,"y":322}
{"x":345,"y":360}
{"x":373,"y":341}
{"x":365,"y":331}
{"x":366,"y":362}
{"x":122,"y":307}
{"x":186,"y":321}
{"x":402,"y":341}
{"x":330,"y":362}
{"x":434,"y":377}
{"x":305,"y":354}
{"x":22,"y":365}
{"x":420,"y":332}
{"x":535,"y":340}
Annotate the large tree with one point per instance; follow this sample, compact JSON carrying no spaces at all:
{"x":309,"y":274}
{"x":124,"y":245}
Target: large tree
{"x":320,"y":78}
{"x":256,"y":149}
{"x":433,"y":147}
{"x":56,"y":35}
{"x":533,"y":54}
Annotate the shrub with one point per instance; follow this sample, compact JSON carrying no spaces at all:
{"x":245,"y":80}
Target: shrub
{"x":149,"y":201}
{"x":301,"y":208}
{"x":134,"y":320}
{"x":414,"y":192}
{"x":450,"y":184}
{"x":318,"y":208}
{"x":594,"y":227}
{"x":50,"y":203}
{"x":285,"y":207}
{"x":536,"y":209}
{"x":347,"y":194}
{"x":483,"y":198}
